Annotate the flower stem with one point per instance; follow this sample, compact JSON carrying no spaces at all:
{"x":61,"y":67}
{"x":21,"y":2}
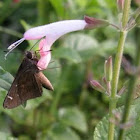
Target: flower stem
{"x":127,"y":4}
{"x":116,"y":70}
{"x":130,"y":93}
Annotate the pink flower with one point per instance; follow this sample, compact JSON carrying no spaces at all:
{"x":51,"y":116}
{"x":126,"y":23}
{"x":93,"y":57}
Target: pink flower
{"x":52,"y":32}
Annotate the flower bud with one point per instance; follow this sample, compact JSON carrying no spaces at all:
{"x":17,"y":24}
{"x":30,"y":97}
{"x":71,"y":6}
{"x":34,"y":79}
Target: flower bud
{"x":122,"y":90}
{"x":93,"y":23}
{"x":135,"y":19}
{"x":120,"y":5}
{"x":97,"y":86}
{"x":108,"y":69}
{"x":137,"y":2}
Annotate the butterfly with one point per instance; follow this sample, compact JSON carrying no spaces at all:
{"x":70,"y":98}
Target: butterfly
{"x":27,"y":84}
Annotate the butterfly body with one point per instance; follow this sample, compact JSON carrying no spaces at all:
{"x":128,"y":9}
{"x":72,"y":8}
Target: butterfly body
{"x":27,"y":84}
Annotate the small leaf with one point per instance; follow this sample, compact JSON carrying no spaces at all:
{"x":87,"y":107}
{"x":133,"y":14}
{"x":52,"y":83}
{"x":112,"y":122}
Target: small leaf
{"x":4,"y":84}
{"x":6,"y":75}
{"x":73,"y":117}
{"x":5,"y":79}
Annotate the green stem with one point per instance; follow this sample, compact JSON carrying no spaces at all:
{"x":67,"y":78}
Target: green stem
{"x":125,"y":17}
{"x":116,"y":72}
{"x":129,"y":94}
{"x":117,"y":64}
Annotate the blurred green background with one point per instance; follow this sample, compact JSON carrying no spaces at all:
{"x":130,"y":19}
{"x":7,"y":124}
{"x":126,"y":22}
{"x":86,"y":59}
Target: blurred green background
{"x":72,"y":111}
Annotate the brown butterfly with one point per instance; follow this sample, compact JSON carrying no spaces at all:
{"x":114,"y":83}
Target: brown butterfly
{"x":27,"y":84}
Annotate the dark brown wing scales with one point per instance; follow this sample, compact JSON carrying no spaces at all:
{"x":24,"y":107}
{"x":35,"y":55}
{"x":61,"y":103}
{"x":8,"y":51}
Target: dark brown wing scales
{"x":12,"y":99}
{"x":29,"y":86}
{"x":25,"y":86}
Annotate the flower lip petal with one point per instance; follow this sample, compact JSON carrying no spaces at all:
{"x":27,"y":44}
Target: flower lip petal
{"x":45,"y":53}
{"x":44,"y":61}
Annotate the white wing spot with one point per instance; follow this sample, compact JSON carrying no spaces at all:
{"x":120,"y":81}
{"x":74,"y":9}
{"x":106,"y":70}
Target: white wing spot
{"x":11,"y":98}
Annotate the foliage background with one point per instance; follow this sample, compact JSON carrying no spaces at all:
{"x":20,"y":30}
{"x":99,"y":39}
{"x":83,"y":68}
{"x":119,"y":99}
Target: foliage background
{"x":73,"y":109}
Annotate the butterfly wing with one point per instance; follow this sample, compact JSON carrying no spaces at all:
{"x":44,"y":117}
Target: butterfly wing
{"x":25,"y":86}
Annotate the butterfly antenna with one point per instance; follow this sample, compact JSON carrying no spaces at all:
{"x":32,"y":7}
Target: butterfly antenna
{"x":36,"y":43}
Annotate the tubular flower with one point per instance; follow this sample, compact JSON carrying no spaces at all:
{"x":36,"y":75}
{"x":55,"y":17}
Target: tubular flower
{"x":52,"y":32}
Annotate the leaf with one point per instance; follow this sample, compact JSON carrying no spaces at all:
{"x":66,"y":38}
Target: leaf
{"x":85,"y":45}
{"x":80,"y":42}
{"x":5,"y":136}
{"x":73,"y":117}
{"x":4,"y":84}
{"x":5,"y":79}
{"x":67,"y":53}
{"x":59,"y":131}
{"x":2,"y":97}
{"x":6,"y":75}
{"x":101,"y":130}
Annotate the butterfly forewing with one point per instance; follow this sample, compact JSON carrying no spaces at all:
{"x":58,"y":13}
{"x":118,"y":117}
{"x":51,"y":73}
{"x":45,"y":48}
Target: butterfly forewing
{"x":27,"y":84}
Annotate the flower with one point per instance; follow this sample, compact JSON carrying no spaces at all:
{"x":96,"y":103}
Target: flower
{"x":52,"y":32}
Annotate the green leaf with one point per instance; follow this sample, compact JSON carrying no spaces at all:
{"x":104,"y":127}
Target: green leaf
{"x":2,"y":97}
{"x":6,"y":75}
{"x":5,"y":79}
{"x":85,"y":45}
{"x":80,"y":42}
{"x":101,"y":130}
{"x":67,"y":53}
{"x":59,"y":131}
{"x":5,"y":136}
{"x":5,"y":85}
{"x":73,"y":117}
